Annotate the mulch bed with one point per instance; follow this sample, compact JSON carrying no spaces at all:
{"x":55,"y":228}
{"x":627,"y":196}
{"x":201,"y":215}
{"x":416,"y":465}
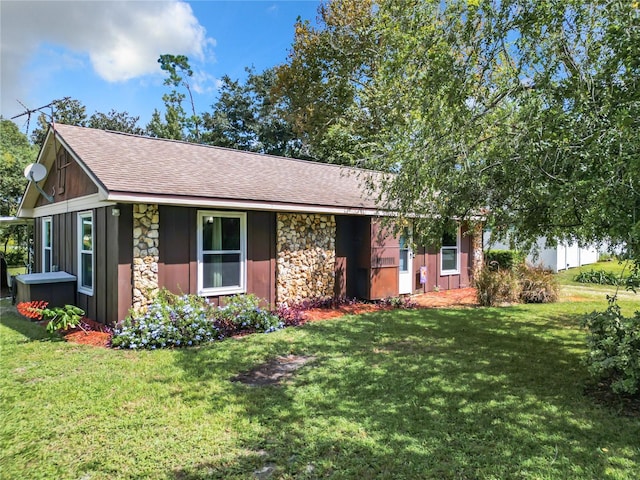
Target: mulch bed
{"x":94,"y":334}
{"x":98,"y":335}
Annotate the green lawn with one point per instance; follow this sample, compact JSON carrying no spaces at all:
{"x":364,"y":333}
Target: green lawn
{"x":491,"y":393}
{"x":567,"y":277}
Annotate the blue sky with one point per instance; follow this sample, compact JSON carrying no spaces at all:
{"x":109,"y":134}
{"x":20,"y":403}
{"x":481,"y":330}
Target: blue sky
{"x":104,"y":53}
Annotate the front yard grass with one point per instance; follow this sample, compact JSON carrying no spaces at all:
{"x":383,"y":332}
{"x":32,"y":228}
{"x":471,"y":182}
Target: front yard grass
{"x":487,"y":393}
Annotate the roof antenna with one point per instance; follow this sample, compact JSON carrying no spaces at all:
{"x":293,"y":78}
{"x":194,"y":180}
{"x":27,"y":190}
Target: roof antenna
{"x":36,"y":172}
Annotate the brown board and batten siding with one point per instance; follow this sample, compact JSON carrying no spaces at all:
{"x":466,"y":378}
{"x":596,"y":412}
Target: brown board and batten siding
{"x":178,"y":265}
{"x":112,"y":258}
{"x":430,"y":258}
{"x":66,"y":180}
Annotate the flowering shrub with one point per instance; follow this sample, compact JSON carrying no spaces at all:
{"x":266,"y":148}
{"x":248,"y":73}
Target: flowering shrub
{"x":243,"y":312}
{"x":188,"y":320}
{"x":170,"y":321}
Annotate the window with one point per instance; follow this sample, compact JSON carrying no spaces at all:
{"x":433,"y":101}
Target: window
{"x":222,"y":242}
{"x":47,"y":243}
{"x":85,"y":253}
{"x":449,"y":253}
{"x":404,"y":251}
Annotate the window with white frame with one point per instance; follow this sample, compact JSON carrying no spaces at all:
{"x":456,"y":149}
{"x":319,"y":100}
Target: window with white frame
{"x":450,"y":252}
{"x":47,"y":244}
{"x":222,"y":239}
{"x":85,"y":253}
{"x":405,"y":251}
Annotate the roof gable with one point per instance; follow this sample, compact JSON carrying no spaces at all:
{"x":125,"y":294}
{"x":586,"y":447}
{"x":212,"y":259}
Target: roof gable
{"x":130,"y":166}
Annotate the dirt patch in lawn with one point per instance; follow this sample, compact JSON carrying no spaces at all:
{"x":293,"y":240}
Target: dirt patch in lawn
{"x":274,"y":371}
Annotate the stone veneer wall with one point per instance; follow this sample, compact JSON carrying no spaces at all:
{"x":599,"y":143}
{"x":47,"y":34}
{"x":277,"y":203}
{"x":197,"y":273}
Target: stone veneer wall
{"x":306,"y":256}
{"x":477,"y":252}
{"x":146,"y":236}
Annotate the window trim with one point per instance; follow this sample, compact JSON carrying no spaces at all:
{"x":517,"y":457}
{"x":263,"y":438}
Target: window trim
{"x":81,"y":287}
{"x":406,"y":236}
{"x":45,"y":247}
{"x":213,"y":291}
{"x":456,"y":271}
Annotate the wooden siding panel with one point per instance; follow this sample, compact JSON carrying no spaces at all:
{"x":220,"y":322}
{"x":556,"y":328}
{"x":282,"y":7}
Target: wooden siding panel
{"x":124,"y":261}
{"x":261,"y":239}
{"x":75,"y":182}
{"x":99,"y":297}
{"x":177,"y":233}
{"x":37,"y":245}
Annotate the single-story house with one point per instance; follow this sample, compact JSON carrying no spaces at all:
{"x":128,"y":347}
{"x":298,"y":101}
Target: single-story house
{"x":132,"y":214}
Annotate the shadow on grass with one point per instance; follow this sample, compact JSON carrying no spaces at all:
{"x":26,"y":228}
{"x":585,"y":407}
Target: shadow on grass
{"x":10,"y":318}
{"x":422,"y":394}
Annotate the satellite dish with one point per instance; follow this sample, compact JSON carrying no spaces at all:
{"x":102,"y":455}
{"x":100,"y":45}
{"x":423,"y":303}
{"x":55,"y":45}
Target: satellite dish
{"x":35,"y":172}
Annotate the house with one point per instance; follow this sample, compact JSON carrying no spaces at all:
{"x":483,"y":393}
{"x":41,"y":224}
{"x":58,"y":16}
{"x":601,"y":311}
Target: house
{"x":132,"y":214}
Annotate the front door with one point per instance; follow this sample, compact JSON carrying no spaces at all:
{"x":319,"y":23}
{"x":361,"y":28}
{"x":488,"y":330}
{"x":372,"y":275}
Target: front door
{"x":405,"y":283}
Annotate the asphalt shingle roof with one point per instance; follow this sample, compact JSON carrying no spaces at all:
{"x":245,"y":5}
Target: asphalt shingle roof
{"x":139,"y":165}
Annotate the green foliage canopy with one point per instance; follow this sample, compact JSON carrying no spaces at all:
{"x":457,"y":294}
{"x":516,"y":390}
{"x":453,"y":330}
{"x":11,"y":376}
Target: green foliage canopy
{"x":524,"y":112}
{"x":16,"y":153}
{"x":247,"y":116}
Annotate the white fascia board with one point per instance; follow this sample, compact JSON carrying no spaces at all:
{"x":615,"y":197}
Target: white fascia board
{"x":87,"y":202}
{"x":242,"y":205}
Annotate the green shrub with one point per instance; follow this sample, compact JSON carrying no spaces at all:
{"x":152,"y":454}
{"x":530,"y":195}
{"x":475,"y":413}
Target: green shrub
{"x":538,"y":285}
{"x":613,"y":345}
{"x":632,"y":282}
{"x":504,"y":259}
{"x":497,"y":286}
{"x":599,"y":277}
{"x":58,"y":318}
{"x":243,"y":312}
{"x":16,"y":257}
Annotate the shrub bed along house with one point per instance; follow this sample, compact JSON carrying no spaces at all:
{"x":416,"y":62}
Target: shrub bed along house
{"x":187,"y":320}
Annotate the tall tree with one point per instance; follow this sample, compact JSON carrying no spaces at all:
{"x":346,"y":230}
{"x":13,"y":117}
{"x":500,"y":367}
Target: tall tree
{"x":247,"y":116}
{"x":324,"y":75}
{"x":524,"y":112}
{"x":73,"y":112}
{"x":115,"y":121}
{"x":15,"y":154}
{"x":177,"y":124}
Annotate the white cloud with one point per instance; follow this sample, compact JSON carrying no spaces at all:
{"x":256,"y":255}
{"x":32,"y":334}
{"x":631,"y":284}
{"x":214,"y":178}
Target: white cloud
{"x":121,"y":39}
